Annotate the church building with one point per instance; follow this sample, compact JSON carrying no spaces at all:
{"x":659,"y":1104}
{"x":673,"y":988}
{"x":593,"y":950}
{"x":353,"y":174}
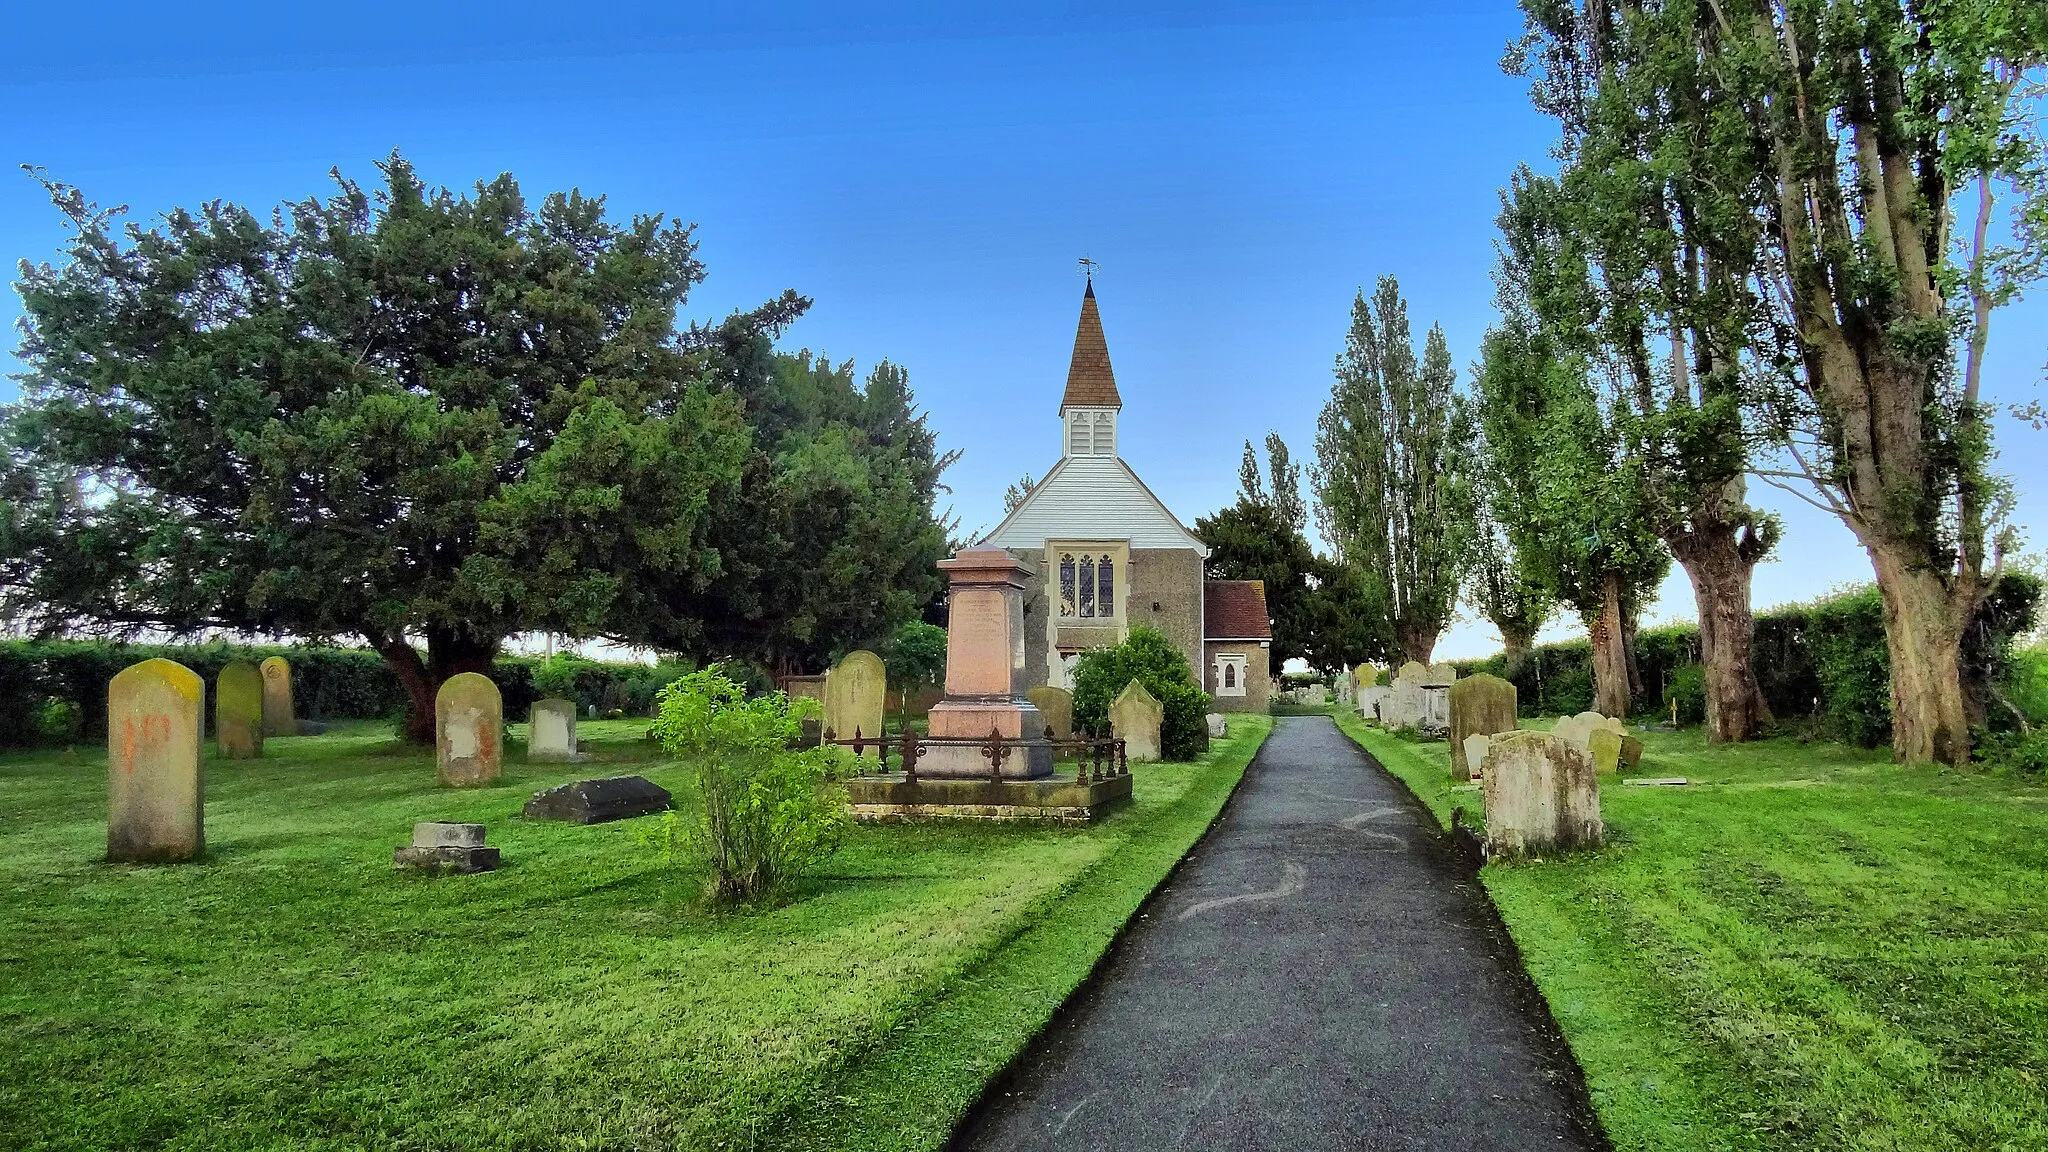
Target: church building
{"x":1110,"y":555}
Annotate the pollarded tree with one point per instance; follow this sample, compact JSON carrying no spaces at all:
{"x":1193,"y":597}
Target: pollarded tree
{"x":1393,"y":445}
{"x":405,"y":415}
{"x":1830,"y":148}
{"x":1497,"y":587}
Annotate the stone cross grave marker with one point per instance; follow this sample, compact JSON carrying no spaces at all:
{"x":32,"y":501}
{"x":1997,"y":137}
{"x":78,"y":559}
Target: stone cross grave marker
{"x":238,"y":711}
{"x":1135,"y":717}
{"x":551,"y":731}
{"x":156,"y":804}
{"x":1541,"y":795}
{"x":468,"y":719}
{"x":278,"y":717}
{"x":1481,"y":705}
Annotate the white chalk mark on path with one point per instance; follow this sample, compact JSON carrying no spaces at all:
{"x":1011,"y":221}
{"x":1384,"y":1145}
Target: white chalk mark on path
{"x":1083,"y":1103}
{"x":1358,"y":824}
{"x":1289,"y":885}
{"x":1195,"y":1113}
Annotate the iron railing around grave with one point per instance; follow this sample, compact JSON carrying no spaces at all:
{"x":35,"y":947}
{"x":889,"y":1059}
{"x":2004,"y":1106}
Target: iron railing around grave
{"x":1097,"y":759}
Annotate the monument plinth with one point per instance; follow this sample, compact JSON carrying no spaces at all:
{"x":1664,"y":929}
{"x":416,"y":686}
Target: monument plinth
{"x":985,"y":681}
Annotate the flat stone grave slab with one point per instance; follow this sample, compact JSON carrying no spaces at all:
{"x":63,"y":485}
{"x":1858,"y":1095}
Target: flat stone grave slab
{"x":598,"y":801}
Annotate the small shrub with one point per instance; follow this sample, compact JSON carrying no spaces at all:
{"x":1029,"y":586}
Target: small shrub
{"x":556,"y":676}
{"x":2025,"y":753}
{"x":1688,"y":689}
{"x":60,"y":721}
{"x":1148,"y":657}
{"x":770,"y":814}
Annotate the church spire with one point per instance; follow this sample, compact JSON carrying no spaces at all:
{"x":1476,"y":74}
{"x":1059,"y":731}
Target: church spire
{"x":1090,"y":382}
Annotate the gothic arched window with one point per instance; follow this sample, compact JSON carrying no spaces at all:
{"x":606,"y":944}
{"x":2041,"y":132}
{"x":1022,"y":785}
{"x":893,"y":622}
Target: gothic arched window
{"x":1105,"y":587}
{"x":1087,"y":586}
{"x":1066,"y":584}
{"x":1230,"y":675}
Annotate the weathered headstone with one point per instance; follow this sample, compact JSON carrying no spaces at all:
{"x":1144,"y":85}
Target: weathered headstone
{"x":1605,"y":748}
{"x":1368,"y":675}
{"x":1412,"y":670}
{"x":438,"y":847}
{"x":1313,"y":695}
{"x":551,"y":730}
{"x":1404,"y":705}
{"x":1480,"y":706}
{"x":1372,"y":702}
{"x":1135,"y":717}
{"x":854,"y":691}
{"x":1440,"y":675}
{"x":1474,"y":749}
{"x":1631,"y":753}
{"x":1541,"y":795}
{"x":238,"y":711}
{"x":156,"y":804}
{"x":1347,"y":689}
{"x":278,"y":717}
{"x":597,"y":801}
{"x":468,"y":719}
{"x":1436,"y":708}
{"x":1218,"y":726}
{"x":1579,"y":728}
{"x":1057,"y":706}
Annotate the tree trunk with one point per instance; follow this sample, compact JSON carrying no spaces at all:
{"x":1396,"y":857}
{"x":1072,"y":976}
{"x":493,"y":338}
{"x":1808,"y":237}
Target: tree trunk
{"x":1416,"y":642}
{"x":1923,"y":628}
{"x":448,"y":653}
{"x":1720,"y":566}
{"x":1516,"y":644}
{"x":1610,"y":653}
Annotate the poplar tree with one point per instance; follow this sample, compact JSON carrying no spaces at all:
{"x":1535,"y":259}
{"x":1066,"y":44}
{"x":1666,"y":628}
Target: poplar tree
{"x":1391,"y":475}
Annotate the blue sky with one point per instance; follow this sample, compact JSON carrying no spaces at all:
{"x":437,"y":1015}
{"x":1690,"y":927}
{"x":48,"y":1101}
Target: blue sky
{"x":929,"y":174}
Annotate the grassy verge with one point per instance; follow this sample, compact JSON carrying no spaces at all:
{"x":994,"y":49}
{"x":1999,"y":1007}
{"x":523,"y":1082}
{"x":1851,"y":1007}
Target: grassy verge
{"x":292,"y":991}
{"x":1808,"y":948}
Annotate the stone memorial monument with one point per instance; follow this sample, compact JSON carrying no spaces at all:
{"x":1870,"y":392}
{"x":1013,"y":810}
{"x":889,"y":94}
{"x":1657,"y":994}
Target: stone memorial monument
{"x":156,"y":805}
{"x":855,"y":689}
{"x":468,"y":721}
{"x":1057,"y":706}
{"x":1481,"y":705}
{"x":1541,"y":795}
{"x":438,"y":847}
{"x":238,"y":711}
{"x":278,"y":717}
{"x":598,"y":801}
{"x":985,"y":677}
{"x":1135,"y":717}
{"x":551,"y":731}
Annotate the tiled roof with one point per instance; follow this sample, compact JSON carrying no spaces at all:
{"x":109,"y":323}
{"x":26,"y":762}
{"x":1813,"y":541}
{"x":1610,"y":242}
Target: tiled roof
{"x":1090,"y":383}
{"x":1236,"y":610}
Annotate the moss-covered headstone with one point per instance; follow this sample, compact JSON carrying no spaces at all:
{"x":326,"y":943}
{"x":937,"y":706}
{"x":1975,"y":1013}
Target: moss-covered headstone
{"x":1057,"y":706}
{"x":156,"y":809}
{"x":469,"y":718}
{"x":278,"y":717}
{"x":1135,"y":716}
{"x":854,"y":691}
{"x":1542,"y":795}
{"x":238,"y":711}
{"x":1481,"y":705}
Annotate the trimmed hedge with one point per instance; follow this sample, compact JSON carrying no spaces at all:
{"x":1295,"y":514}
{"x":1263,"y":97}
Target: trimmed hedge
{"x":55,"y":691}
{"x":1823,"y":663}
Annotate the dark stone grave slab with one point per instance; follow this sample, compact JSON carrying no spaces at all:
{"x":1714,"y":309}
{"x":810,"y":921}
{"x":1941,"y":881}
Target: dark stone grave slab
{"x":597,"y":801}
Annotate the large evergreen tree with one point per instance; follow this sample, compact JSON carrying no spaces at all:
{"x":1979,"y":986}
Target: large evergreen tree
{"x":1254,"y":539}
{"x":1393,"y":493}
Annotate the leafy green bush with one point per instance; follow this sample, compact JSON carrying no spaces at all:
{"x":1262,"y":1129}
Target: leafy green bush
{"x":1687,"y":687}
{"x":915,"y":655}
{"x":1148,"y":657}
{"x":556,"y":676}
{"x":770,"y":814}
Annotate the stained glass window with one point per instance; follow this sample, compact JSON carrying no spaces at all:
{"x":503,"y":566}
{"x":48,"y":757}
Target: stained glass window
{"x":1087,"y":586}
{"x":1105,"y":587}
{"x":1066,"y":583}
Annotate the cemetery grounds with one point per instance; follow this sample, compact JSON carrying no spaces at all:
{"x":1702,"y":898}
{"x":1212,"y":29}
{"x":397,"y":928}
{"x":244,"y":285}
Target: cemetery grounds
{"x":1808,"y":947}
{"x":292,"y":990}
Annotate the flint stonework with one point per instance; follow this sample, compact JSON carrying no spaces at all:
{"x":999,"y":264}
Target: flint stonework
{"x":156,"y":808}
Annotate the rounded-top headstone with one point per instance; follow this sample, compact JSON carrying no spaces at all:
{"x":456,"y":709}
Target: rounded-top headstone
{"x":1481,"y":705}
{"x":1057,"y":706}
{"x":238,"y":711}
{"x":1413,"y":670}
{"x":155,"y":785}
{"x":1368,"y":675}
{"x":278,"y":717}
{"x":1135,"y":717}
{"x":855,"y":694}
{"x":468,"y":719}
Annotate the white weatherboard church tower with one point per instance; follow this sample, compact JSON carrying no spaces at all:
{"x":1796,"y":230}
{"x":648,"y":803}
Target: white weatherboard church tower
{"x":1111,"y":555}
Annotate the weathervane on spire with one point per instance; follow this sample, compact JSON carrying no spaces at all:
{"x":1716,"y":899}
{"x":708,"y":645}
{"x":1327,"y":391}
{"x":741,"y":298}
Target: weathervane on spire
{"x":1088,"y":268}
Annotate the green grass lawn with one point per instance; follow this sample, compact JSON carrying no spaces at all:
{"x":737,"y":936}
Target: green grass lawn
{"x":292,"y":991}
{"x":1808,"y":948}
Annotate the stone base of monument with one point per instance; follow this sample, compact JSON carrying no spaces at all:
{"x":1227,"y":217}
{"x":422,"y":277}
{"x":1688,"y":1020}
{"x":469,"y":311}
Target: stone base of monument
{"x":597,"y":801}
{"x":1059,"y":799}
{"x":1028,"y":754}
{"x":438,"y":847}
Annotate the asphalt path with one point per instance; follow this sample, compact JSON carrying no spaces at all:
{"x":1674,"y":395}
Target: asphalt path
{"x":1318,"y":974}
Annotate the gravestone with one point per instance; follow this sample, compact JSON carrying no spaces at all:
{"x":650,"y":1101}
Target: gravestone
{"x":854,"y":692}
{"x":1474,"y":747}
{"x":278,"y":717}
{"x":1314,"y":695}
{"x":1480,"y":706}
{"x":1577,"y":729}
{"x":551,"y":730}
{"x":438,"y":847}
{"x":1605,"y":748}
{"x":1541,"y":795}
{"x":156,"y":804}
{"x":1135,"y":718}
{"x":1436,"y":708}
{"x":598,"y":801}
{"x":468,"y":721}
{"x":1057,"y":706}
{"x":238,"y":711}
{"x":1439,"y":675}
{"x":1404,"y":706}
{"x":986,"y":679}
{"x":1347,"y":692}
{"x":1631,"y":753}
{"x":1218,"y":726}
{"x":1367,"y":674}
{"x":1372,"y":701}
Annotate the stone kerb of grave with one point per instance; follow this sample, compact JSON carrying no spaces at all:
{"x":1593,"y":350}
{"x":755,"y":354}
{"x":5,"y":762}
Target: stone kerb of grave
{"x":279,"y":718}
{"x":1135,"y":717}
{"x":599,"y":801}
{"x":855,"y":695}
{"x":1056,"y":705}
{"x":1481,"y":705}
{"x":238,"y":711}
{"x":1541,"y":794}
{"x":156,"y":806}
{"x":439,"y":847}
{"x":551,"y":731}
{"x":469,"y":721}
